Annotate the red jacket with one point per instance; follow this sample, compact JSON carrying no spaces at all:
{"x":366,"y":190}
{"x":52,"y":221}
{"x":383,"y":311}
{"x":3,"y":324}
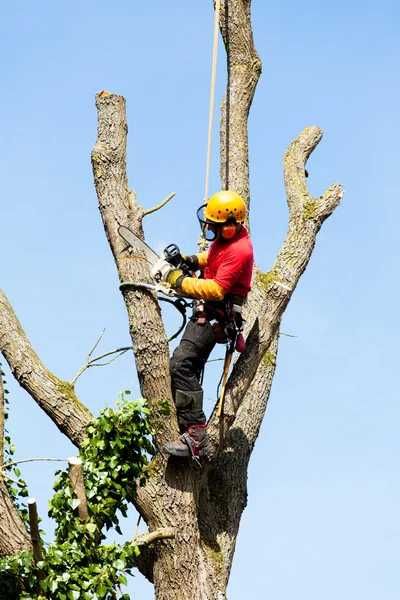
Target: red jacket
{"x":230,"y":264}
{"x":227,"y":269}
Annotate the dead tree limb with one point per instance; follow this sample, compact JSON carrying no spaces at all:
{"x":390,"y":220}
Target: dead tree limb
{"x":153,"y":209}
{"x":55,"y":396}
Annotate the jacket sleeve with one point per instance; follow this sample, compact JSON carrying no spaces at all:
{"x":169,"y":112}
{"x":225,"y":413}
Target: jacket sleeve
{"x":202,"y":289}
{"x":202,"y":259}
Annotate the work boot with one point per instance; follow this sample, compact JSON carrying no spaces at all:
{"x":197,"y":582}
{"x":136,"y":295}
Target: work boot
{"x":194,"y":443}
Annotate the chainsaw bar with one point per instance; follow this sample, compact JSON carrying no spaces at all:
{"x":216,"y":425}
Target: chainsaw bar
{"x":138,"y":245}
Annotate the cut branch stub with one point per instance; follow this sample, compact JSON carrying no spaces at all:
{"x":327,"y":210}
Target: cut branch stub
{"x":75,"y":473}
{"x":118,"y":206}
{"x":34,"y":528}
{"x":144,"y":539}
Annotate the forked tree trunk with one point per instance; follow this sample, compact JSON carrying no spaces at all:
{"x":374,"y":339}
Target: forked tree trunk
{"x":202,"y":507}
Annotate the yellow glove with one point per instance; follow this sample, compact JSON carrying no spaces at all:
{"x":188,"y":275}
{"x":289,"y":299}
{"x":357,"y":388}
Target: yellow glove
{"x":174,"y":278}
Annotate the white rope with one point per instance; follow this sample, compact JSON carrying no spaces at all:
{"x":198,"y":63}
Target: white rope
{"x":211,"y":110}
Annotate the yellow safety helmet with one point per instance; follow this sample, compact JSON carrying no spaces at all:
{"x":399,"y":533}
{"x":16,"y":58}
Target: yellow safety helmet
{"x":225,"y":205}
{"x":223,"y":208}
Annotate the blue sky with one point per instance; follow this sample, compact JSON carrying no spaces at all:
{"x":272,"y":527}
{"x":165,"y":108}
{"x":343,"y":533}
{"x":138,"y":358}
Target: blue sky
{"x":322,"y":517}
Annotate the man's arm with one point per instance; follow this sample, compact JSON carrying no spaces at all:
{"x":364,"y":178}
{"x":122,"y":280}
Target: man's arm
{"x":201,"y":289}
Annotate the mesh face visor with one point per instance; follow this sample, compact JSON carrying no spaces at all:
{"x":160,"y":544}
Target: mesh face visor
{"x":208,"y":229}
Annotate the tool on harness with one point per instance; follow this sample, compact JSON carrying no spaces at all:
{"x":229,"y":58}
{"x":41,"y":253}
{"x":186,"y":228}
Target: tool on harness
{"x":227,"y":315}
{"x":236,"y":342}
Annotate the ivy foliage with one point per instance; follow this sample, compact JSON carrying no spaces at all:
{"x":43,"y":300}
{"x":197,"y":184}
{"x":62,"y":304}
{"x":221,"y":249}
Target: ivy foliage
{"x":77,"y":565}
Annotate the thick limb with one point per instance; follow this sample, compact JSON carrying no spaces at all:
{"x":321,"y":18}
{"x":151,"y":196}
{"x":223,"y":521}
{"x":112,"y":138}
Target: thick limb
{"x":55,"y":396}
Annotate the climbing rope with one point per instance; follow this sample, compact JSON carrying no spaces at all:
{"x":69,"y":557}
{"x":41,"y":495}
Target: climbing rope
{"x":211,"y":110}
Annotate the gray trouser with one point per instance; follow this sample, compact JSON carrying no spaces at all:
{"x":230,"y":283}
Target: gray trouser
{"x":186,"y":366}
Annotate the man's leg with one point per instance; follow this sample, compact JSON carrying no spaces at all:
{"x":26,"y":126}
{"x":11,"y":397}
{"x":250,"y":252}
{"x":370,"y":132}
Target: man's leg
{"x":187,"y":363}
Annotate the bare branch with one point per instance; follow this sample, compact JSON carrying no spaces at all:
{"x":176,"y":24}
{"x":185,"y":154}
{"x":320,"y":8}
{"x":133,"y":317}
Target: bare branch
{"x":149,"y":211}
{"x":55,"y":396}
{"x":300,"y":201}
{"x":94,"y":362}
{"x":97,"y":342}
{"x":252,"y":409}
{"x":27,"y":460}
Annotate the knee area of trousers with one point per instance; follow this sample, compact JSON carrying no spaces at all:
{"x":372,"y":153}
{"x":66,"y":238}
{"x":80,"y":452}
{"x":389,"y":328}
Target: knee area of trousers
{"x":174,"y":365}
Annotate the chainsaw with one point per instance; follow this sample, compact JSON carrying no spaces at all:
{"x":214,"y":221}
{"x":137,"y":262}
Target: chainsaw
{"x":172,"y":256}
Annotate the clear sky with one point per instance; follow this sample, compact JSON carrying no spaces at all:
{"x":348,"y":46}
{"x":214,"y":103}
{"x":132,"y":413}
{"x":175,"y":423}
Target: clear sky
{"x":322,"y":519}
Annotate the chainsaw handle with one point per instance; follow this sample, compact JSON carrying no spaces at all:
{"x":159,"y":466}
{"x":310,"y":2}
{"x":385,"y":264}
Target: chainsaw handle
{"x":173,"y":256}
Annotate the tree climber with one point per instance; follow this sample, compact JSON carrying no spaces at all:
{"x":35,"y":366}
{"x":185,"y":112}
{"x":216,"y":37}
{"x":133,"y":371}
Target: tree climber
{"x":226,"y":270}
